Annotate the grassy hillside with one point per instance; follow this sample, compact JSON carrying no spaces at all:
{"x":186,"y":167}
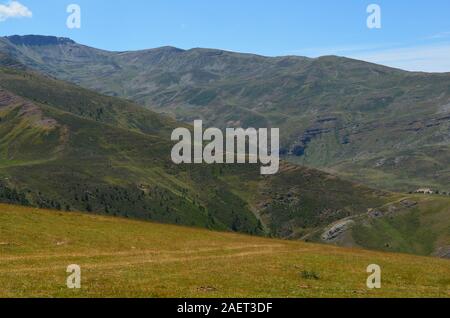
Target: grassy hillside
{"x":79,"y":164}
{"x":377,"y":125}
{"x":67,"y":148}
{"x":124,"y":258}
{"x":416,"y":224}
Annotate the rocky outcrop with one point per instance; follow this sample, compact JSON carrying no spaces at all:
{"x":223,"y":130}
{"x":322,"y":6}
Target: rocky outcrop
{"x":321,"y":126}
{"x":38,"y":40}
{"x":443,"y":252}
{"x":337,"y":230}
{"x":408,"y":203}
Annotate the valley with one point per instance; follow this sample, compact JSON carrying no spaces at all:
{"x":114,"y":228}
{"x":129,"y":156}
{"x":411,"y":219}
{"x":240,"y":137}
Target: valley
{"x":70,"y":156}
{"x":356,"y":139}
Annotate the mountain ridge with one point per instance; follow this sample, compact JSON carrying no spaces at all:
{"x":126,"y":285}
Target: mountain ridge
{"x":367,"y":122}
{"x":110,"y":156}
{"x":37,"y":40}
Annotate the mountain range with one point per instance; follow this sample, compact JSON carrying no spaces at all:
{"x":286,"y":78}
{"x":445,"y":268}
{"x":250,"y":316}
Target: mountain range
{"x":385,"y":127}
{"x":74,"y":136}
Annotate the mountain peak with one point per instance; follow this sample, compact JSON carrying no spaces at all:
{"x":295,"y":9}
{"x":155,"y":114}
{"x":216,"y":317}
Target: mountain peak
{"x":38,"y":40}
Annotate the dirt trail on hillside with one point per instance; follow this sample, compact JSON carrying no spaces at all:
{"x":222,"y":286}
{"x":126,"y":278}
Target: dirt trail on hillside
{"x":138,"y":252}
{"x":145,"y":257}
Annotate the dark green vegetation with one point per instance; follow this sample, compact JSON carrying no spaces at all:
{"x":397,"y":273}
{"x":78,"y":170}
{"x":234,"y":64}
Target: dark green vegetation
{"x":51,"y":157}
{"x":377,"y":125}
{"x":67,"y":148}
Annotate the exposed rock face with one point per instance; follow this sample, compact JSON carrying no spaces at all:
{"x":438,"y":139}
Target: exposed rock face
{"x":408,"y":203}
{"x":443,"y":252}
{"x":322,"y":126}
{"x":337,"y":230}
{"x":391,"y":209}
{"x":375,"y":214}
{"x":38,"y":40}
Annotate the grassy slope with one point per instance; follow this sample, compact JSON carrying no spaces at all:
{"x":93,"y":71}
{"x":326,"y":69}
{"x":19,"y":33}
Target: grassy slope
{"x":381,"y":126}
{"x":84,"y":103}
{"x":113,"y":171}
{"x":116,"y":161}
{"x":127,"y":258}
{"x":297,"y":200}
{"x":421,"y":229}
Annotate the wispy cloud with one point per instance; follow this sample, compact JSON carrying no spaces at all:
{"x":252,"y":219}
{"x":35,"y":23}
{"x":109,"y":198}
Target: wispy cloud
{"x":341,"y":50}
{"x":440,"y":35}
{"x":14,"y":9}
{"x":426,"y":58}
{"x":430,"y":56}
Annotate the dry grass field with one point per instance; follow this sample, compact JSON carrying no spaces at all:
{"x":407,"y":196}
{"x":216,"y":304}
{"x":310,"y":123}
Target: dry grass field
{"x":126,"y":258}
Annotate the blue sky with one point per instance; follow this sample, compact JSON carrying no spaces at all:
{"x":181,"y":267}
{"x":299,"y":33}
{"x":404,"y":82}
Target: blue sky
{"x":414,"y":34}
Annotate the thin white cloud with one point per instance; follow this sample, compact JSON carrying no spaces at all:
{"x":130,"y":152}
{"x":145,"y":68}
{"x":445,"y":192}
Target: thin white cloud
{"x":14,"y":9}
{"x":340,"y":50}
{"x":429,"y":57}
{"x":440,"y":35}
{"x":426,"y":58}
